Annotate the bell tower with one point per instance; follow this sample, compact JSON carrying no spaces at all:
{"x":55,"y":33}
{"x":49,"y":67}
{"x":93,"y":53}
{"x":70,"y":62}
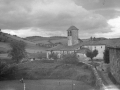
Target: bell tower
{"x":72,"y":33}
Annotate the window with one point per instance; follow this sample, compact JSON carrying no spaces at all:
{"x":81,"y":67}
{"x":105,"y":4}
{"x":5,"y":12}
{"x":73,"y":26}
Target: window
{"x":68,"y":33}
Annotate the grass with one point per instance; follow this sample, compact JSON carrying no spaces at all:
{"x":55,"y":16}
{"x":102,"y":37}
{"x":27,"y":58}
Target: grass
{"x":50,"y":76}
{"x":45,"y":85}
{"x":113,"y":79}
{"x":54,"y":70}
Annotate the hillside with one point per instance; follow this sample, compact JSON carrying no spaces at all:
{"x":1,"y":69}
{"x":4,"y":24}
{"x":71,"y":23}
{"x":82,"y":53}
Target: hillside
{"x":48,"y":40}
{"x":37,"y":38}
{"x":31,"y":47}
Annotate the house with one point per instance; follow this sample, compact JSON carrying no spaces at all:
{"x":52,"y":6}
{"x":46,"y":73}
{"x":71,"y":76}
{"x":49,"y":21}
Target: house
{"x":95,"y":45}
{"x":114,"y":60}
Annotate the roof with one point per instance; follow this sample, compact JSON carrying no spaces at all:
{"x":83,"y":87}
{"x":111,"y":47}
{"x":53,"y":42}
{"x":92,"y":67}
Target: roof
{"x":72,"y":28}
{"x":63,"y":48}
{"x":109,"y":43}
{"x":56,"y":48}
{"x":115,"y":43}
{"x":83,"y":50}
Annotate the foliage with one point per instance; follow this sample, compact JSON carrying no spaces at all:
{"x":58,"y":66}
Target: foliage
{"x":7,"y":71}
{"x":47,"y":61}
{"x":70,"y":59}
{"x":92,"y":54}
{"x":106,"y":56}
{"x":42,"y":55}
{"x":53,"y":56}
{"x":18,"y":51}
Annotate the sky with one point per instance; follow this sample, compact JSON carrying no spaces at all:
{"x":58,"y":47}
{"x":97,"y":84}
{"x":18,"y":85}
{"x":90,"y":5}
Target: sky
{"x":96,"y":18}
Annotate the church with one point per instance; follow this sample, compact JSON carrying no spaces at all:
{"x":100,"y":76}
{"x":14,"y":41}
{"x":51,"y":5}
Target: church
{"x":76,"y":45}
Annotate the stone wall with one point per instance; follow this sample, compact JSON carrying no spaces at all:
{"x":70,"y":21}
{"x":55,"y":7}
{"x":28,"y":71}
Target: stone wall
{"x":115,"y":63}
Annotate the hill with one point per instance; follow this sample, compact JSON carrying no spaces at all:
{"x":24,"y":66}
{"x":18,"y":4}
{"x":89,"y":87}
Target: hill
{"x":31,"y":47}
{"x":48,"y":40}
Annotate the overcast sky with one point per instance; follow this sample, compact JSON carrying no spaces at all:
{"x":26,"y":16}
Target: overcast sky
{"x":99,"y":18}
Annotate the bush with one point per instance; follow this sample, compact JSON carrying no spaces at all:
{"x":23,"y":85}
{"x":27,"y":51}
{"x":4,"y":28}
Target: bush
{"x":89,"y":79}
{"x":70,"y":59}
{"x":7,"y":71}
{"x":106,"y":56}
{"x":47,"y":61}
{"x":53,"y":56}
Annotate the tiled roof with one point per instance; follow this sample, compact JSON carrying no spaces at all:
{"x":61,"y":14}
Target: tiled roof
{"x":63,"y":48}
{"x":72,"y":28}
{"x":83,"y":50}
{"x":108,"y":43}
{"x":56,"y":48}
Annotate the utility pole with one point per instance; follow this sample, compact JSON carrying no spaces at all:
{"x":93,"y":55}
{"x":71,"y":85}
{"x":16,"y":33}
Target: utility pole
{"x":73,"y":85}
{"x":24,"y":86}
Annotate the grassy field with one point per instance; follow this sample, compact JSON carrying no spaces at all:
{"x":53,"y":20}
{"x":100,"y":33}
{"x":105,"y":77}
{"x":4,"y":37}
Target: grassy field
{"x":40,"y":75}
{"x":45,"y":85}
{"x":55,"y":70}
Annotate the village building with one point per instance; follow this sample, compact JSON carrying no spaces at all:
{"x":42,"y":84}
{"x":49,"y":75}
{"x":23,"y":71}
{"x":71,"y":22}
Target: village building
{"x":76,"y":45}
{"x":95,"y":45}
{"x":114,"y":60}
{"x":67,"y":49}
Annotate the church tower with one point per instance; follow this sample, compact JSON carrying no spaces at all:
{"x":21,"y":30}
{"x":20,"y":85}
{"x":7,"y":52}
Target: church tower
{"x":72,"y":33}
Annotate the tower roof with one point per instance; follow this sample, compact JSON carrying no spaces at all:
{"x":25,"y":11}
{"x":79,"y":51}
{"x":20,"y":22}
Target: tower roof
{"x":72,"y":28}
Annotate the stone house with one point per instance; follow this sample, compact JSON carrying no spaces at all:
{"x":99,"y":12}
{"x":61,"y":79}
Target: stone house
{"x":114,"y":57}
{"x":95,"y":45}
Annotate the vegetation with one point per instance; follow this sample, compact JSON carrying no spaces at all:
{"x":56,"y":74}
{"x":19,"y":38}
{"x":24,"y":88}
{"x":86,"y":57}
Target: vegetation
{"x":55,"y":70}
{"x":70,"y":59}
{"x":42,"y":70}
{"x":18,"y":51}
{"x":53,"y":56}
{"x":106,"y":56}
{"x":92,"y":54}
{"x":7,"y":71}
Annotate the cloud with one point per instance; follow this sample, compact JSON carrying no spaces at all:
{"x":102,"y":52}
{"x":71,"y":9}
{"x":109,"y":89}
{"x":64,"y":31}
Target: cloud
{"x":34,"y":32}
{"x":48,"y":16}
{"x":115,"y":29}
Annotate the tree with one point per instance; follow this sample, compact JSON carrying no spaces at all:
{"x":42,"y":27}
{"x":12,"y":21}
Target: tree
{"x":92,"y":54}
{"x":70,"y":59}
{"x":53,"y":56}
{"x":7,"y":71}
{"x":106,"y":56}
{"x":18,"y":51}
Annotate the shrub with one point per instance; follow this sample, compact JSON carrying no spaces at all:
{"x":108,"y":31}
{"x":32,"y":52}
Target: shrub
{"x":53,"y":56}
{"x":89,"y":79}
{"x":7,"y":71}
{"x":47,"y":61}
{"x":106,"y":56}
{"x":70,"y":59}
